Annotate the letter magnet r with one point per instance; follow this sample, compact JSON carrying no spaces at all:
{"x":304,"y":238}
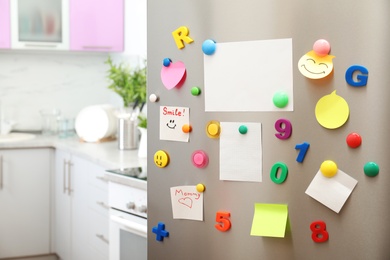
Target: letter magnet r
{"x":180,"y":35}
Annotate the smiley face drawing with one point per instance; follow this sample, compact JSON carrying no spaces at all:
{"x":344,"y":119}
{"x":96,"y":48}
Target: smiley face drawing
{"x":171,"y":124}
{"x":314,"y":66}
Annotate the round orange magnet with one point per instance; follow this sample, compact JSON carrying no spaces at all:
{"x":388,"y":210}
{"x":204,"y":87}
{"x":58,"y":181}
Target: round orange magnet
{"x":186,"y":128}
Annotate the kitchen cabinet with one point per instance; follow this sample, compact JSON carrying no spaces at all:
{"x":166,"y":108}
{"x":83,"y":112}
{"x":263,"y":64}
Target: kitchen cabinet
{"x":70,"y":206}
{"x":96,"y":25}
{"x":5,"y":26}
{"x":40,"y":24}
{"x":25,"y":201}
{"x":98,"y":209}
{"x":78,"y":201}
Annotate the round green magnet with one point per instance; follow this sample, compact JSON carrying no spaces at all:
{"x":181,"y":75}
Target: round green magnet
{"x":243,"y":129}
{"x":195,"y":91}
{"x":280,"y":99}
{"x":371,"y":169}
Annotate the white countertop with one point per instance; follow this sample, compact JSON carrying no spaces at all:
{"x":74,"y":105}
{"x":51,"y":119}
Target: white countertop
{"x":105,"y":154}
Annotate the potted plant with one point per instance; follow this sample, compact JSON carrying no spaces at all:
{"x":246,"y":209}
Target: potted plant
{"x":128,"y":83}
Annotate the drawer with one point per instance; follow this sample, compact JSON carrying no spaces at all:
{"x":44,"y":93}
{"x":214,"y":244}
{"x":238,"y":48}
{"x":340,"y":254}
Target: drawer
{"x":97,"y":255}
{"x":98,"y":200}
{"x":96,"y":177}
{"x":99,"y":232}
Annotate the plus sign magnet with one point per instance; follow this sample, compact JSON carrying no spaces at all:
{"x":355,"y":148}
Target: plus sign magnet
{"x":160,"y":231}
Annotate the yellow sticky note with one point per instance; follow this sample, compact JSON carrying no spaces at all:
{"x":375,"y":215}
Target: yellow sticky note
{"x":269,"y":220}
{"x":332,"y":111}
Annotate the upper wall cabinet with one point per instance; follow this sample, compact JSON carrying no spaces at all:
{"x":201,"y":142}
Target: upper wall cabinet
{"x":5,"y":33}
{"x":97,"y":25}
{"x":40,"y":24}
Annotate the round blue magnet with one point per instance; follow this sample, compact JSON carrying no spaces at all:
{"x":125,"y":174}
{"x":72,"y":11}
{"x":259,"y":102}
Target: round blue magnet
{"x":167,"y":62}
{"x":208,"y":47}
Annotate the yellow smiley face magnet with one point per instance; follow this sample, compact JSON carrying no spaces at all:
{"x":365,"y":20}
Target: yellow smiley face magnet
{"x":161,"y":159}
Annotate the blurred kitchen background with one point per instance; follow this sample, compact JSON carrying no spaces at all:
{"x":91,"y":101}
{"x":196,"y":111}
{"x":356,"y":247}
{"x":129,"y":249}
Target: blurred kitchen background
{"x":31,"y":80}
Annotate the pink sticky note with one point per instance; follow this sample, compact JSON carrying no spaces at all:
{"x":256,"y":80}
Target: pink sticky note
{"x":173,"y":75}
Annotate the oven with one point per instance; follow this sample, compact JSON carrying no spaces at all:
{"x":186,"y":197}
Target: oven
{"x":128,"y":218}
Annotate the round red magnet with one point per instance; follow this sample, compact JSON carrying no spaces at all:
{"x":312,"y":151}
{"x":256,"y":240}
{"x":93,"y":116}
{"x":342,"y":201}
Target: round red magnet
{"x":354,"y":140}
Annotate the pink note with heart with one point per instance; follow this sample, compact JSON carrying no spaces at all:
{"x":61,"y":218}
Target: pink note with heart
{"x":173,"y":75}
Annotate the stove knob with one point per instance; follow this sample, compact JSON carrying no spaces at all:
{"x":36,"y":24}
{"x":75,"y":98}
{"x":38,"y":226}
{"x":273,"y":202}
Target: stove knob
{"x":130,"y":205}
{"x":143,"y":209}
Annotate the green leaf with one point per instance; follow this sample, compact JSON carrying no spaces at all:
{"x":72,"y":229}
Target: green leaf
{"x":128,"y":83}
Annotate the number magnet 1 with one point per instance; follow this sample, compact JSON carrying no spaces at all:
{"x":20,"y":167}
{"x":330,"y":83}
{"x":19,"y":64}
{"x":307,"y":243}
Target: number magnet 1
{"x":303,"y":147}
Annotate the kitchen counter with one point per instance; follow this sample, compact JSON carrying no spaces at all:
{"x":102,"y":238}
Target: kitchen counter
{"x":105,"y":154}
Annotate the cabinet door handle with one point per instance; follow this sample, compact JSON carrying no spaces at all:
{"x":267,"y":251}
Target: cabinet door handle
{"x":1,"y":172}
{"x":64,"y":176}
{"x":101,"y":237}
{"x":97,"y":47}
{"x":70,"y":164}
{"x":40,"y":45}
{"x":102,"y":178}
{"x":104,"y":205}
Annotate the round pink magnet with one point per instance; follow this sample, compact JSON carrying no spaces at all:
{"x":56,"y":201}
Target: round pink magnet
{"x":321,"y":47}
{"x":200,"y":159}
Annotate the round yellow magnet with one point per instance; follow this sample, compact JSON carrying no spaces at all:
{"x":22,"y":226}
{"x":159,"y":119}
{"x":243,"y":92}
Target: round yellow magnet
{"x":213,"y":129}
{"x":161,"y":158}
{"x":200,"y":187}
{"x":328,"y":168}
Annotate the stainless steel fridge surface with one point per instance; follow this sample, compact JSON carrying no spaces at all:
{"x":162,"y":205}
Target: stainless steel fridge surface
{"x":267,"y":143}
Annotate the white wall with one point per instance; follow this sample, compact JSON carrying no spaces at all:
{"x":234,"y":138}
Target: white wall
{"x":32,"y":80}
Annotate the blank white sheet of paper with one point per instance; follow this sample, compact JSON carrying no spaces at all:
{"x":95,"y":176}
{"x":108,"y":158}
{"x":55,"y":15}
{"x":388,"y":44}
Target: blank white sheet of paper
{"x":244,"y":76}
{"x":331,"y":192}
{"x":240,"y":155}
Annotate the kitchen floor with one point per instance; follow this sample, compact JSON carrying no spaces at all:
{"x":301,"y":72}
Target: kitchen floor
{"x":47,"y":257}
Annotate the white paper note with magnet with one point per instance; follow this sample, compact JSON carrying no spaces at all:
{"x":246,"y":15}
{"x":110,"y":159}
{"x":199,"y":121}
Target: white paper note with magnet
{"x":247,"y":76}
{"x":332,"y":192}
{"x":240,"y":152}
{"x":172,"y":120}
{"x":187,"y":203}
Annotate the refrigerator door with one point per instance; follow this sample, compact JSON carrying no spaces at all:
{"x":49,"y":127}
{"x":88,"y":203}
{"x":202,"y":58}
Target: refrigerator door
{"x":345,"y":220}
